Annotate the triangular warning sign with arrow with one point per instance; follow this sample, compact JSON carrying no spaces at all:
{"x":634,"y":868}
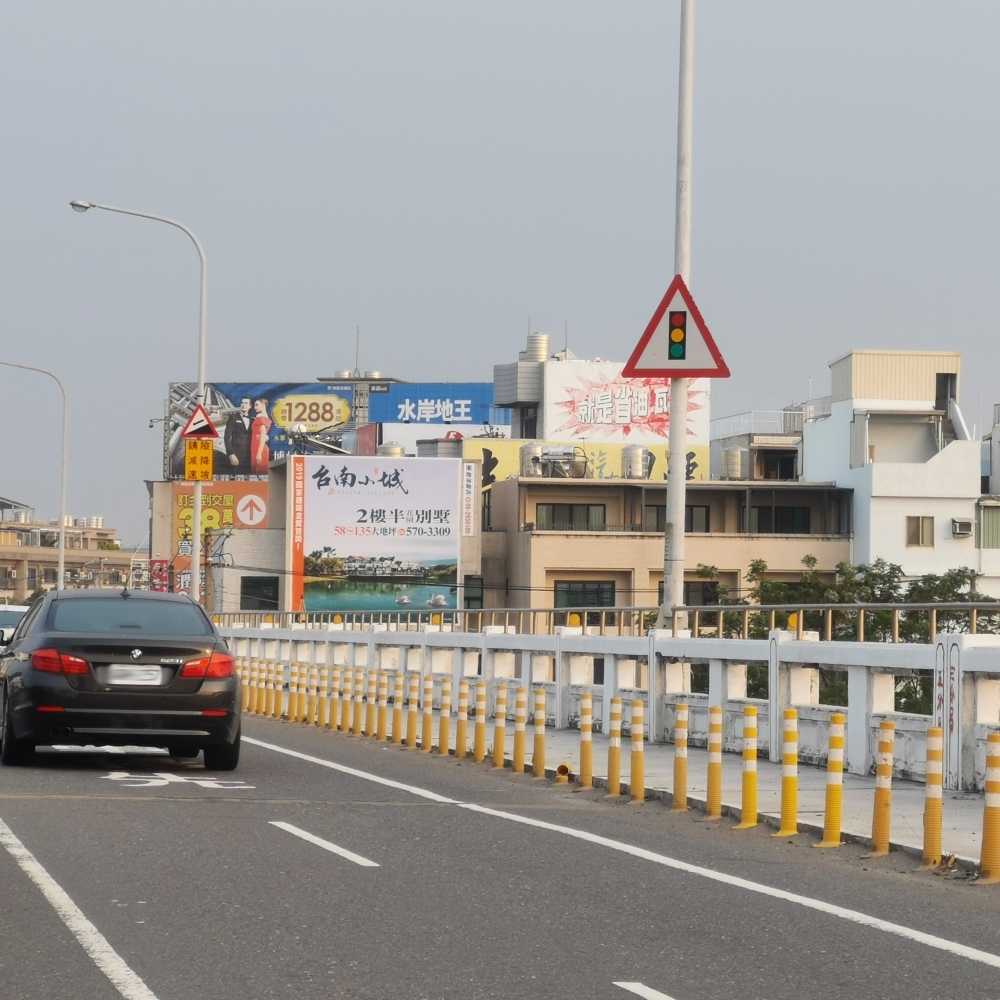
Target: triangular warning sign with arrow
{"x":199,"y":425}
{"x":676,"y":344}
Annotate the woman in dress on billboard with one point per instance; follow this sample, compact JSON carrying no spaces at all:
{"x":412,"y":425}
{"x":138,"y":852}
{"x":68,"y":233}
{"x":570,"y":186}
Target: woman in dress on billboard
{"x":260,"y":454}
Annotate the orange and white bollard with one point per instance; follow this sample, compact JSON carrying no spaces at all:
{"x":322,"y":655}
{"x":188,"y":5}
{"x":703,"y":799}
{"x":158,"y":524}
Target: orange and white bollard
{"x":932,"y":797}
{"x":359,"y":701}
{"x":268,"y":689}
{"x":989,"y":858}
{"x":500,"y":726}
{"x":883,"y":790}
{"x":251,"y":689}
{"x":615,"y":748}
{"x":413,"y":711}
{"x":293,"y":691}
{"x":834,"y":783}
{"x":427,"y":736}
{"x":301,"y":706}
{"x":312,"y":706}
{"x":323,"y":702}
{"x":680,"y":802}
{"x":381,"y":727}
{"x":444,"y":719}
{"x":713,"y":799}
{"x":586,"y":740}
{"x":249,"y":682}
{"x":538,"y":752}
{"x":479,"y":734}
{"x":520,"y":718}
{"x":748,"y":812}
{"x":335,"y":698}
{"x":347,"y":702}
{"x":637,"y":774}
{"x":789,"y":774}
{"x":462,"y":722}
{"x":371,"y":708}
{"x":398,"y":684}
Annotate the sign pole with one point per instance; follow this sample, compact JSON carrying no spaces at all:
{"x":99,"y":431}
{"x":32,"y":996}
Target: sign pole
{"x":673,"y":540}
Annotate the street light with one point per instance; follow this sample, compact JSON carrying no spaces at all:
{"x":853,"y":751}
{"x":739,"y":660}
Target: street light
{"x":83,"y":206}
{"x":62,"y":475}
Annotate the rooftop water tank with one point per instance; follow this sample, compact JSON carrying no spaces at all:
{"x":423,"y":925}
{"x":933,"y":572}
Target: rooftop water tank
{"x":391,"y":450}
{"x":636,"y":462}
{"x":538,"y":347}
{"x":531,"y":460}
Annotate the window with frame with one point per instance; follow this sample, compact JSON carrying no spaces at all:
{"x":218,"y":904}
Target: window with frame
{"x":696,"y":519}
{"x":920,"y":532}
{"x":570,"y":516}
{"x":259,"y":593}
{"x":585,"y":594}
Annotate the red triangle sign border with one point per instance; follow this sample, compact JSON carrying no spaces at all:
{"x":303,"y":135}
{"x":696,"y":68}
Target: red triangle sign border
{"x":207,"y":431}
{"x":721,"y":369}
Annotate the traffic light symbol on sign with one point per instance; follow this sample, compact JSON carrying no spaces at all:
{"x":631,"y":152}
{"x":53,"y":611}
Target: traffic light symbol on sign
{"x":678,"y":335}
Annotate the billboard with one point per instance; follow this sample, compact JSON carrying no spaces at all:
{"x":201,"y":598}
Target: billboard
{"x":372,"y":533}
{"x":501,"y":459}
{"x":455,"y":403}
{"x":223,"y":505}
{"x":253,"y":419}
{"x":589,"y":401}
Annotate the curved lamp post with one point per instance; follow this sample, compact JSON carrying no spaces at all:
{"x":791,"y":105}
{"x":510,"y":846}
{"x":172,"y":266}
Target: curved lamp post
{"x":60,"y":582}
{"x":83,"y":206}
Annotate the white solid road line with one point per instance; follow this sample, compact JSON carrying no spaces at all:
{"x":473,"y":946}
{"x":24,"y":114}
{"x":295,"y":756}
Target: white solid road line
{"x":325,"y":844}
{"x":642,"y":991}
{"x":128,"y":984}
{"x":854,"y":916}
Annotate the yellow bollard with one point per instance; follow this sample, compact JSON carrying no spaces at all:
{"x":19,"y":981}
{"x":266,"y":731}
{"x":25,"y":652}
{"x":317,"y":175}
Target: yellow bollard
{"x":444,"y":719}
{"x":293,"y":691}
{"x":359,"y":701}
{"x":462,"y":724}
{"x":932,"y":797}
{"x":245,"y":685}
{"x":789,"y":774}
{"x":411,"y":713}
{"x":680,"y":802}
{"x":637,"y":775}
{"x":347,"y":701}
{"x":713,"y":800}
{"x":251,"y":689}
{"x":397,"y":707}
{"x":615,"y":748}
{"x":268,"y":689}
{"x":279,"y":688}
{"x":748,"y":813}
{"x":500,"y":726}
{"x":302,"y":705}
{"x":372,"y":705}
{"x":520,"y":717}
{"x":312,"y":706}
{"x":383,"y":706}
{"x":427,"y":737}
{"x":586,"y":740}
{"x":323,"y":702}
{"x":479,"y":735}
{"x":335,"y":698}
{"x":883,"y":790}
{"x":538,"y":754}
{"x":834,"y":783}
{"x":989,"y":858}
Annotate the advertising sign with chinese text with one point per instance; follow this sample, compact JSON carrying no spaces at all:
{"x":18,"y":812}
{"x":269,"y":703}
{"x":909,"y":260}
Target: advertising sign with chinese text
{"x":592,"y":401}
{"x":375,"y":533}
{"x":223,"y":505}
{"x":253,"y":419}
{"x":456,"y":403}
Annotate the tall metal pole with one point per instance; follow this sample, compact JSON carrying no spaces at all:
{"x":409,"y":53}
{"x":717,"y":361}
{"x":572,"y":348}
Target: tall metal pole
{"x":83,"y":206}
{"x":61,"y":579}
{"x":673,"y":540}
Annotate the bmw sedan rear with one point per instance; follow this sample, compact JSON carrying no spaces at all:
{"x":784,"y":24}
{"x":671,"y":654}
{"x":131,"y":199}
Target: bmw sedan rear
{"x":121,"y":668}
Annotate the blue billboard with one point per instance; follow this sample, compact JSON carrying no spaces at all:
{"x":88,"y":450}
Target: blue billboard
{"x":469,"y":403}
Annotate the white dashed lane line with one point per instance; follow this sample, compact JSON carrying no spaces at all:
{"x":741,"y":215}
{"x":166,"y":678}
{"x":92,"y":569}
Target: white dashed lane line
{"x":641,"y":990}
{"x":325,"y":844}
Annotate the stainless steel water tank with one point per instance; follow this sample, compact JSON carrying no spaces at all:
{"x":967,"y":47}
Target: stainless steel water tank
{"x":735,"y":463}
{"x":636,"y":462}
{"x":531,"y":460}
{"x":391,"y":450}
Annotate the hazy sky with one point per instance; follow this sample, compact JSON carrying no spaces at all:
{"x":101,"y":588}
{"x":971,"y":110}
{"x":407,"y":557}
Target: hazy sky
{"x":438,"y":172}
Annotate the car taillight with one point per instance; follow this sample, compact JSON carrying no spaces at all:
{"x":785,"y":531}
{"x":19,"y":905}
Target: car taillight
{"x":51,"y":661}
{"x":216,"y":665}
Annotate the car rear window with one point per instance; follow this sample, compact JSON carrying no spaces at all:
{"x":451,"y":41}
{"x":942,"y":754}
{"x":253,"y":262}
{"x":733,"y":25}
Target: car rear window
{"x":131,"y":616}
{"x":8,"y":618}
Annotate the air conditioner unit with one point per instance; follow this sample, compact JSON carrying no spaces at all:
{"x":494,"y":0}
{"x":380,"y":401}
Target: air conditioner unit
{"x":960,"y":528}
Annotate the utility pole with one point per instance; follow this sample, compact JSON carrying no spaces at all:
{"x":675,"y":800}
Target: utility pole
{"x":673,"y":539}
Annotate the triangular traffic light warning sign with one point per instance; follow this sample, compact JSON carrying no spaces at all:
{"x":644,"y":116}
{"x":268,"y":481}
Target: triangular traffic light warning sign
{"x":676,"y":343}
{"x":199,"y":425}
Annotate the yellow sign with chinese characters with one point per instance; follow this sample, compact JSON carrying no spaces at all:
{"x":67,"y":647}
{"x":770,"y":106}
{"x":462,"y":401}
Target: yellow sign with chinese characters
{"x":317,"y":412}
{"x":198,"y":460}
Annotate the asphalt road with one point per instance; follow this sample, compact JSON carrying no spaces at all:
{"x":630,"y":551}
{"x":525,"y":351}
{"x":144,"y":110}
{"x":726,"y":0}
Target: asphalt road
{"x":185,"y":876}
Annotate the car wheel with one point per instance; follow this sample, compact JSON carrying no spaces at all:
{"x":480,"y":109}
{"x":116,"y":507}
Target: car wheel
{"x":183,"y":751}
{"x":223,"y":757}
{"x":12,"y":750}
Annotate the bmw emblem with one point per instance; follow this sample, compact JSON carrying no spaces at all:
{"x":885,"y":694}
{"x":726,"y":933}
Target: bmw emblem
{"x":136,"y":654}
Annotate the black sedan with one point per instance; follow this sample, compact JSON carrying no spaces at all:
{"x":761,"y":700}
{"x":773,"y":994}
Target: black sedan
{"x":120,"y":668}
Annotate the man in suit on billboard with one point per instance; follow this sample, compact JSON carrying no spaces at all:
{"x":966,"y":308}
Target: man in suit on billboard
{"x":237,"y":439}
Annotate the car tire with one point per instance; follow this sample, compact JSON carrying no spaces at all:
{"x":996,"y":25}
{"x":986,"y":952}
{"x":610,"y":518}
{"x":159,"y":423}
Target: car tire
{"x":183,"y":751}
{"x":13,"y":752}
{"x":223,"y":757}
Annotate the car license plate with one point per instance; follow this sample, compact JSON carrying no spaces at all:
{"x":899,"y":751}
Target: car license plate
{"x":127,"y":673}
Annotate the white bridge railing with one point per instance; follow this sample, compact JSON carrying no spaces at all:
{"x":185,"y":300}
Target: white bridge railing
{"x":656,"y":668}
